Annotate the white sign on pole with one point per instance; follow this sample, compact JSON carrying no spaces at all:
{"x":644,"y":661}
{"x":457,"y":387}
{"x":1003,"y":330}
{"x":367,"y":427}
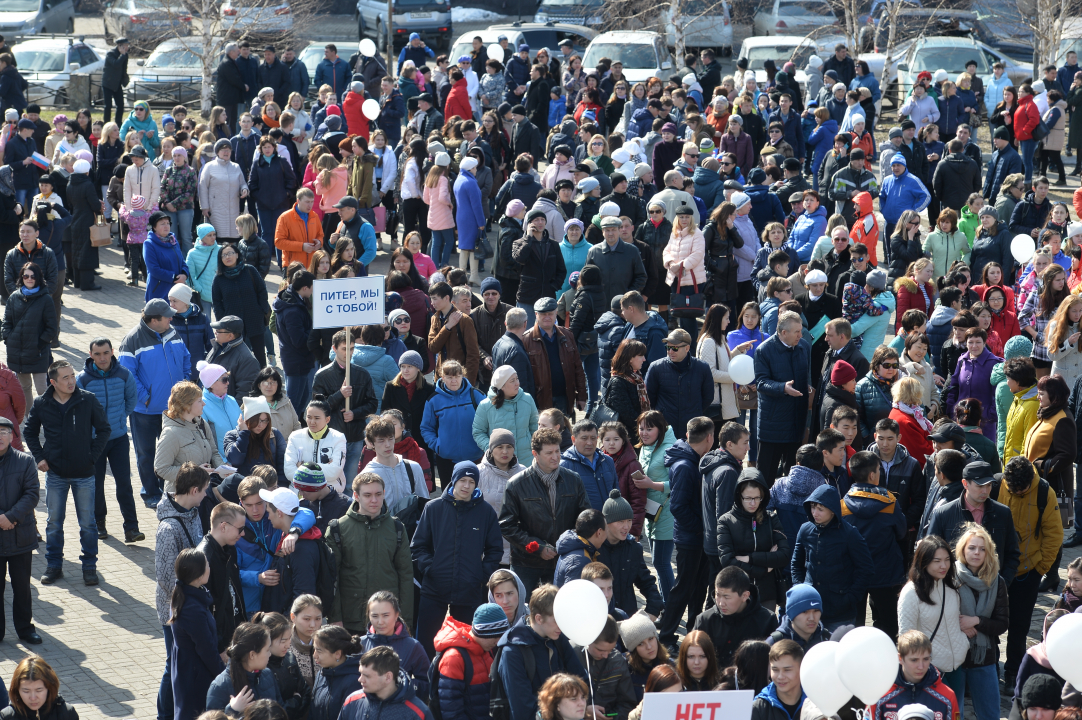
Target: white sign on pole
{"x":348,"y":301}
{"x":712,"y":705}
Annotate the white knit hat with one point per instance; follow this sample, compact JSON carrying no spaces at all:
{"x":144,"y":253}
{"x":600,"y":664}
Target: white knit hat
{"x":254,"y":406}
{"x":209,"y":373}
{"x":468,"y":163}
{"x":609,"y":209}
{"x":442,"y":159}
{"x":501,"y":375}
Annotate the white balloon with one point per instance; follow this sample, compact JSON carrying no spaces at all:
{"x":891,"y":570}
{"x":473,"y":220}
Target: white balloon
{"x":370,"y":108}
{"x":742,"y":369}
{"x":580,"y":610}
{"x":867,"y":663}
{"x":1064,"y":639}
{"x":1023,"y":248}
{"x":495,"y":52}
{"x":368,"y":48}
{"x":819,"y":678}
{"x":1074,"y":229}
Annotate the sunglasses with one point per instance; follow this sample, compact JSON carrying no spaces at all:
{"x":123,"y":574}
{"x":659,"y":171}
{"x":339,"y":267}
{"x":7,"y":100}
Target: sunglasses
{"x":889,"y":366}
{"x":596,"y":143}
{"x":726,"y":162}
{"x":401,"y":320}
{"x":657,"y":212}
{"x":28,"y":277}
{"x":673,"y":348}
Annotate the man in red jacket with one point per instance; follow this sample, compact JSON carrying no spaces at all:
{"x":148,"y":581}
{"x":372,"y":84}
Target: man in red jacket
{"x":1026,"y":119}
{"x":919,"y":682}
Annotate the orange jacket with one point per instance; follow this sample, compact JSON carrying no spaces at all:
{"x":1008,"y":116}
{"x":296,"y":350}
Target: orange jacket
{"x":290,"y":235}
{"x":866,"y":144}
{"x":866,"y":226}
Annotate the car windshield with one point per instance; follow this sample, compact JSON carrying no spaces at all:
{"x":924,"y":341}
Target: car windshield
{"x":39,"y":60}
{"x":951,"y":59}
{"x":780,"y":54}
{"x":311,"y":57}
{"x":571,"y":3}
{"x":174,"y":58}
{"x":805,"y":7}
{"x":541,"y":38}
{"x":412,"y":3}
{"x":634,"y":56}
{"x":22,"y":6}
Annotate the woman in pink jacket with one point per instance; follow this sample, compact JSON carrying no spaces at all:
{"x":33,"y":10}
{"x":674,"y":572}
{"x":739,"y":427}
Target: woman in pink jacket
{"x":441,"y":216}
{"x":684,"y":257}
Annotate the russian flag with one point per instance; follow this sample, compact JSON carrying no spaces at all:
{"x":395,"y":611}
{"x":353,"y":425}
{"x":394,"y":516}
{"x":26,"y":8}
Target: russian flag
{"x":40,"y":160}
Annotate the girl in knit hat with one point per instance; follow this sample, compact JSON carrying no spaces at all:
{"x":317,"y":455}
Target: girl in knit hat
{"x":644,"y":651}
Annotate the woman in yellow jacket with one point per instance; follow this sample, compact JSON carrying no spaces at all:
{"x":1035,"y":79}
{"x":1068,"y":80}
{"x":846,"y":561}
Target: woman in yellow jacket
{"x":1022,"y":382}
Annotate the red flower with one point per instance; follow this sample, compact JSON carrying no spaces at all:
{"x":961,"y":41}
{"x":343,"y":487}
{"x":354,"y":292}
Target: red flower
{"x":532,"y":547}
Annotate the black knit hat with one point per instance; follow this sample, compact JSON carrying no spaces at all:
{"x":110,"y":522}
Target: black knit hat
{"x":1041,"y":691}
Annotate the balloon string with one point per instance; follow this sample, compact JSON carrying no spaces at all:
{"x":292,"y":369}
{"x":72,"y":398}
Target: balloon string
{"x":593,"y":699}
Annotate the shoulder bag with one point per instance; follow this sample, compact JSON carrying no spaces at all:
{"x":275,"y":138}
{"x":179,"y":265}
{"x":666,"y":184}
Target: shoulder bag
{"x":942,"y":607}
{"x":100,"y":235}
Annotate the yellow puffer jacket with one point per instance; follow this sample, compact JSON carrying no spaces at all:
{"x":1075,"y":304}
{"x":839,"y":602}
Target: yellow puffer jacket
{"x":1039,"y":546}
{"x":1020,"y":418}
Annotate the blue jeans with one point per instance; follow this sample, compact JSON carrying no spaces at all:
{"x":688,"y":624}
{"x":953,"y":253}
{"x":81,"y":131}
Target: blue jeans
{"x":165,"y":690}
{"x":983,"y":685}
{"x":56,"y":498}
{"x":1027,"y":149}
{"x":268,"y":340}
{"x":591,"y":365}
{"x":354,"y":450}
{"x":116,"y":453}
{"x":299,"y":390}
{"x":21,"y":196}
{"x":268,"y":221}
{"x":750,"y":423}
{"x":443,"y":241}
{"x":182,"y":227}
{"x":145,"y":429}
{"x":530,"y":316}
{"x":662,"y":554}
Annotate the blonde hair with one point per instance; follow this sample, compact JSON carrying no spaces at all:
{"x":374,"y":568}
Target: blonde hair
{"x":109,"y":127}
{"x":908,"y":391}
{"x":289,"y":100}
{"x":246,"y":224}
{"x":326,"y":165}
{"x":305,"y":193}
{"x":1054,"y":337}
{"x":917,"y":265}
{"x":181,"y":397}
{"x":605,"y":149}
{"x":990,"y":569}
{"x":207,"y":137}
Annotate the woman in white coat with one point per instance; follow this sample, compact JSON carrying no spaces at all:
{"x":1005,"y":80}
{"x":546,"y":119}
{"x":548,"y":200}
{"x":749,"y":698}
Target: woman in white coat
{"x":929,"y":602}
{"x":221,"y":188}
{"x":1063,"y":339}
{"x":684,"y":257}
{"x":318,"y":443}
{"x":713,"y":349}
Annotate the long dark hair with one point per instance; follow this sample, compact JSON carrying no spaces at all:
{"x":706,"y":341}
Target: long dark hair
{"x":248,"y":638}
{"x":968,"y":412}
{"x":419,"y":152}
{"x":259,"y":442}
{"x":268,"y":373}
{"x":699,"y":639}
{"x":752,"y":663}
{"x":35,"y":269}
{"x":654,"y":418}
{"x":334,"y":638}
{"x":922,"y":558}
{"x":189,"y":567}
{"x":414,"y":275}
{"x":240,"y":258}
{"x":1058,"y":394}
{"x":712,"y":323}
{"x":721,"y":214}
{"x":627,"y":351}
{"x":1051,"y":298}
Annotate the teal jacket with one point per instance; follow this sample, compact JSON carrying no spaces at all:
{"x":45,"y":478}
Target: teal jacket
{"x":574,"y":259}
{"x":203,"y":264}
{"x":652,"y":460}
{"x":222,"y":413}
{"x":151,"y":140}
{"x":517,"y":414}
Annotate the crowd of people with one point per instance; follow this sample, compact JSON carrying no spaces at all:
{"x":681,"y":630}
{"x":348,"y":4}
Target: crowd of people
{"x":587,"y":413}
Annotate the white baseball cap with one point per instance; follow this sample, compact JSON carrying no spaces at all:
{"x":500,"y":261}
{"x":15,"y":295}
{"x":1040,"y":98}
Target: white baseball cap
{"x":282,"y":499}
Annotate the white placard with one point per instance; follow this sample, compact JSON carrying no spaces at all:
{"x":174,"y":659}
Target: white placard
{"x":713,"y":705}
{"x":348,"y":301}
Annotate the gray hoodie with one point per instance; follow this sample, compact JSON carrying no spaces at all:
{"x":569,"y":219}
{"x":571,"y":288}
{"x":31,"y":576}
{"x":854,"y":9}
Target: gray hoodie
{"x":178,"y":529}
{"x":396,"y":481}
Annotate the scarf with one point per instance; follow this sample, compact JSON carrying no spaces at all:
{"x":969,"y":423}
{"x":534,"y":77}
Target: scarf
{"x":637,"y":380}
{"x":978,"y":599}
{"x":1039,"y":652}
{"x":270,"y":122}
{"x":318,"y":435}
{"x":31,"y":291}
{"x":232,"y":272}
{"x":549,"y":481}
{"x":917,"y":414}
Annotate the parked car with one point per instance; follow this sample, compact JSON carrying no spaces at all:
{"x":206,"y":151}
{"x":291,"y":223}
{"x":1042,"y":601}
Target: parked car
{"x":172,"y":75}
{"x":255,"y":18}
{"x":781,"y":49}
{"x":144,"y":22}
{"x":311,"y":56}
{"x":48,"y":63}
{"x":934,"y":53}
{"x":702,"y":23}
{"x":913,"y":21}
{"x":1001,"y":26}
{"x":546,"y":35}
{"x":32,"y":17}
{"x":795,"y":17}
{"x":579,"y":12}
{"x":464,"y":44}
{"x":431,"y":19}
{"x":1070,"y":39}
{"x":643,"y":53}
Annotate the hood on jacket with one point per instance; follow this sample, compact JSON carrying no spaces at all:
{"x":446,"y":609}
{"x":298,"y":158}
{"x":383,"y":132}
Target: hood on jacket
{"x":286,"y":298}
{"x":455,"y":633}
{"x":366,"y":355}
{"x":942,"y":315}
{"x":715,"y":459}
{"x":443,"y":390}
{"x":749,"y":476}
{"x":169,"y":509}
{"x":864,"y":204}
{"x":705,"y":177}
{"x":681,"y":450}
{"x":92,"y":370}
{"x":865,"y":501}
{"x":826,"y":495}
{"x":570,"y":543}
{"x":522,"y":612}
{"x":799,"y":486}
{"x":900,"y":453}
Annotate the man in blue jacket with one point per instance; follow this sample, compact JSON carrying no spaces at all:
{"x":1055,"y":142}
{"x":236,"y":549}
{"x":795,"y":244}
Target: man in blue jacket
{"x":249,"y":70}
{"x":156,"y":355}
{"x":901,"y":191}
{"x":579,"y":546}
{"x":642,"y":324}
{"x":765,"y":205}
{"x":517,"y":74}
{"x":680,"y":386}
{"x":685,"y":481}
{"x":833,"y":557}
{"x":334,"y":71}
{"x":790,"y":121}
{"x":114,"y":386}
{"x":1005,"y":161}
{"x":299,"y":81}
{"x":783,"y":378}
{"x":550,"y":653}
{"x":596,"y":469}
{"x":876,"y":515}
{"x":787,"y":494}
{"x":415,"y":50}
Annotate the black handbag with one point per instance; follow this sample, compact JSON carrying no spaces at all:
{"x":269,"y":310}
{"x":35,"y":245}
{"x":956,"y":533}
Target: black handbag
{"x":686,"y":306}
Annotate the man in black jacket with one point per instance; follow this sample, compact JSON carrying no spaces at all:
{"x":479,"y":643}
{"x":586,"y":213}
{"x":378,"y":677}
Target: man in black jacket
{"x":839,"y":339}
{"x":17,"y":153}
{"x":76,"y":432}
{"x":622,"y":554}
{"x":914,"y":152}
{"x":330,"y":381}
{"x":18,"y":533}
{"x":736,"y":616}
{"x":229,"y":351}
{"x":114,"y":78}
{"x":509,"y":350}
{"x":231,"y":86}
{"x":525,"y":136}
{"x":539,"y":504}
{"x":948,"y":519}
{"x":219,"y":545}
{"x":956,"y":176}
{"x":842,"y":64}
{"x":274,"y":74}
{"x":794,"y":182}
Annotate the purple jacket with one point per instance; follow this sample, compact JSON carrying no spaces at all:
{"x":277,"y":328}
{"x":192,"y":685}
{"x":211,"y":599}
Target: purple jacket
{"x":972,"y":379}
{"x":742,"y":148}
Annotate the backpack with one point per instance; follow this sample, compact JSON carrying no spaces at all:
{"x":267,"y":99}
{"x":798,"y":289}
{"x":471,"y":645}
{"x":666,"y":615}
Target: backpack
{"x":499,"y":705}
{"x":434,"y":682}
{"x":407,"y":511}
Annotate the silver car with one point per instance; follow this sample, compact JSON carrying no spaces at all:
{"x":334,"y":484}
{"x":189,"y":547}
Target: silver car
{"x":48,"y":63}
{"x":31,"y":17}
{"x":431,"y":19}
{"x":795,"y":17}
{"x":145,"y":22}
{"x":172,"y":75}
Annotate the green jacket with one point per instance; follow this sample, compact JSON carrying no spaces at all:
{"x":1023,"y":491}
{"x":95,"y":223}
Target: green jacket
{"x":519,"y":415}
{"x":969,"y":223}
{"x":653,"y":464}
{"x":373,"y":555}
{"x":945,"y":249}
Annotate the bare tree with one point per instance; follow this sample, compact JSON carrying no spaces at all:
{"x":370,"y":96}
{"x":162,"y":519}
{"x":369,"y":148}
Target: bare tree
{"x":1046,"y":20}
{"x":670,"y":19}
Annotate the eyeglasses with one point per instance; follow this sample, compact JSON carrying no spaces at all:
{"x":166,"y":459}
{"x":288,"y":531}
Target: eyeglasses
{"x":401,"y":320}
{"x":787,"y":290}
{"x":4,"y":432}
{"x":914,"y":223}
{"x":727,"y":162}
{"x":889,"y":366}
{"x":657,"y":212}
{"x":694,"y":155}
{"x":751,"y":499}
